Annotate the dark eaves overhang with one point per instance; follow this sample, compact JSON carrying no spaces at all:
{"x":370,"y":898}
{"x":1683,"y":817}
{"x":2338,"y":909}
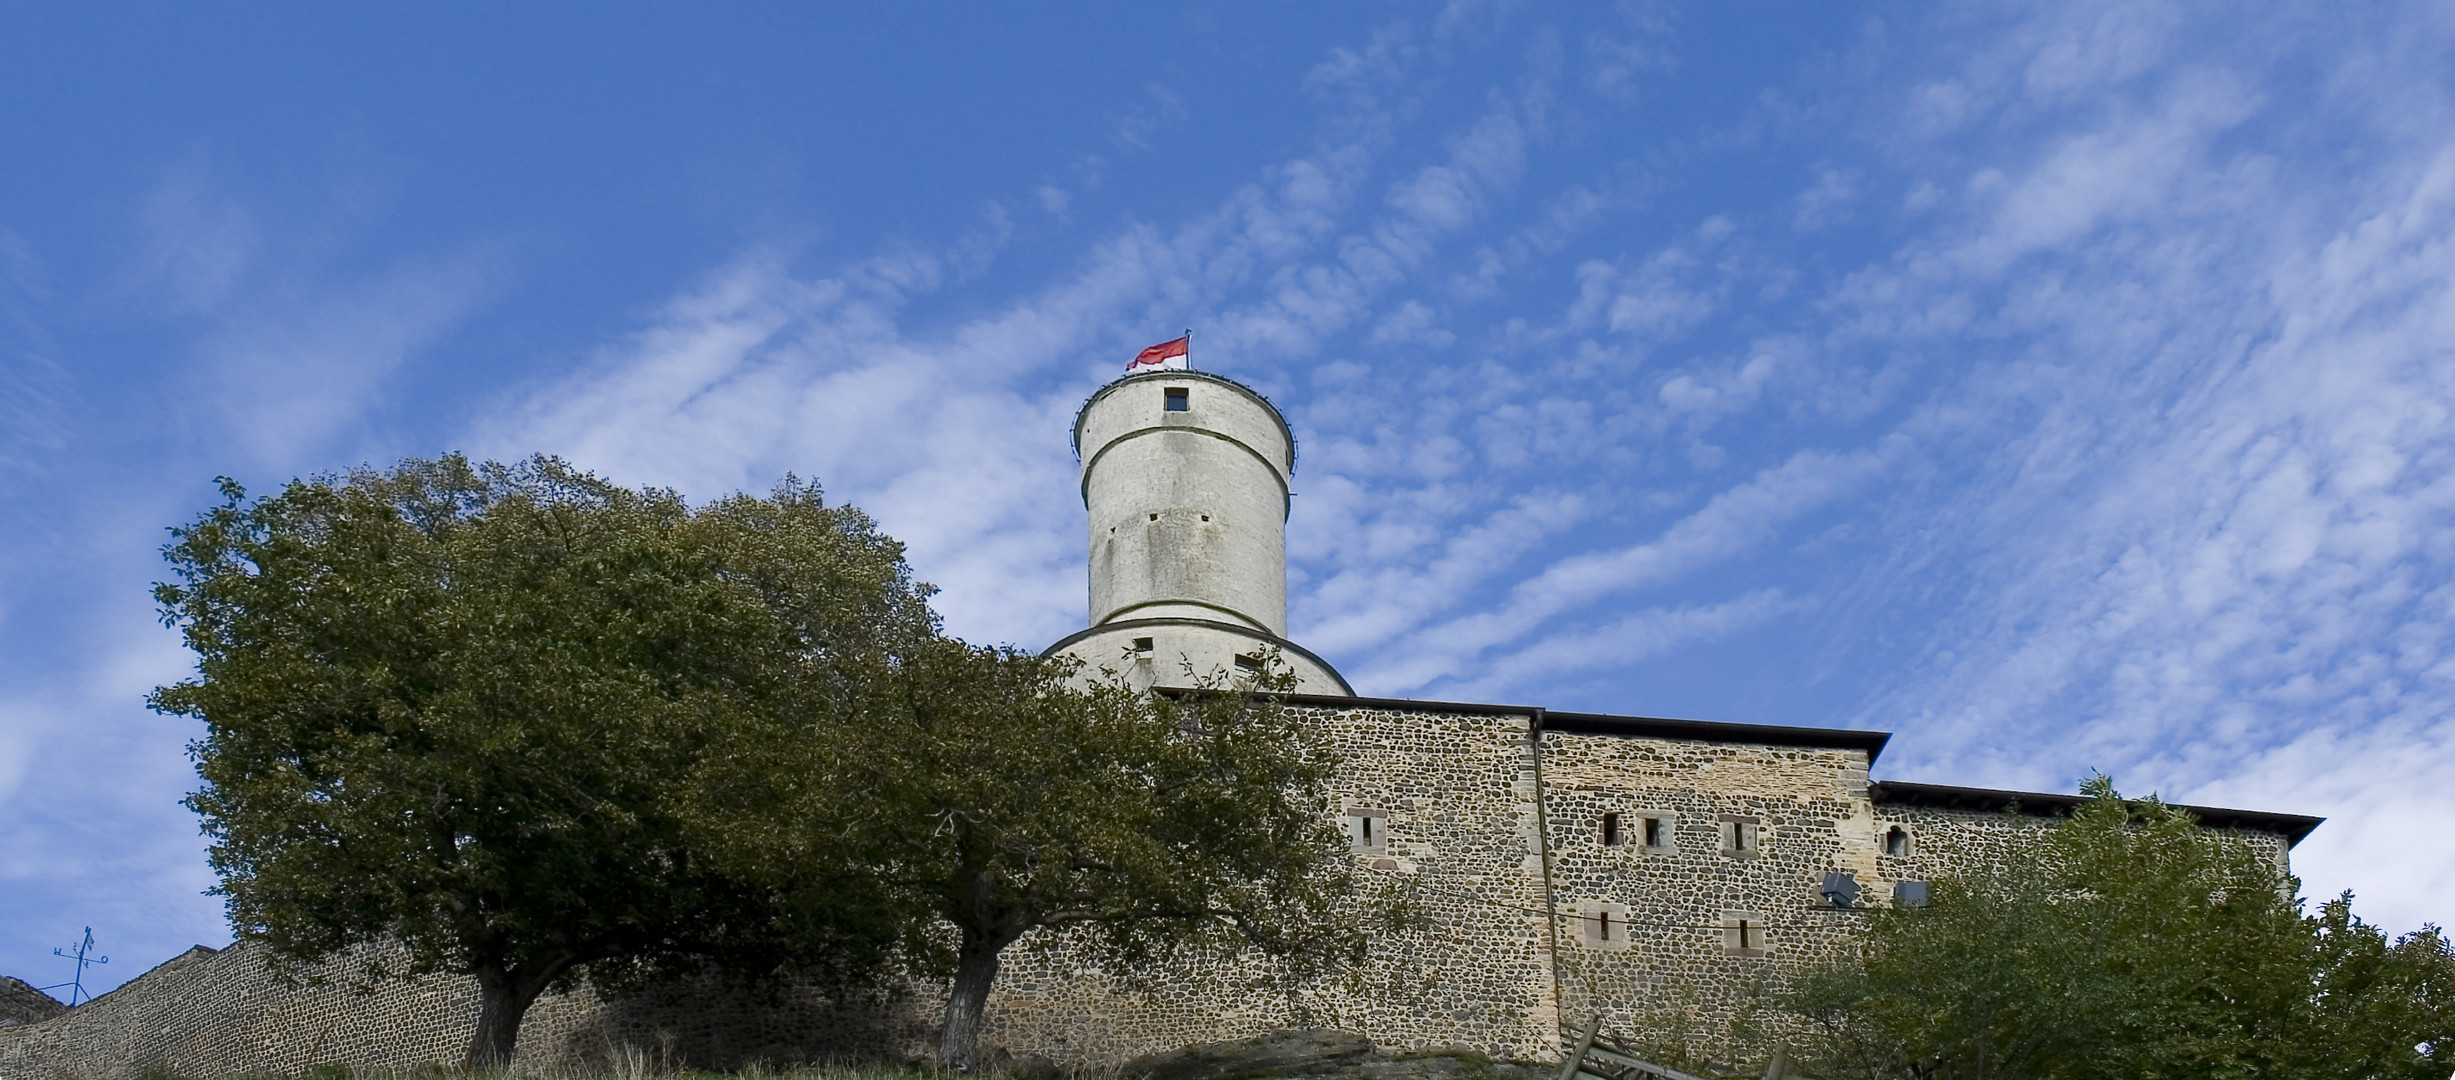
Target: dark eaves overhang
{"x":1638,"y":727}
{"x":2293,"y":827}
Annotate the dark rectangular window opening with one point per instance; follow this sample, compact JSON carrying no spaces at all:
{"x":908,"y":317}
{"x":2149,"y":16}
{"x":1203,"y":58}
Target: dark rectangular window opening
{"x":1611,"y":830}
{"x":1653,"y":832}
{"x":1179,"y":399}
{"x":1739,"y":837}
{"x":1602,"y":922}
{"x":1366,"y":831}
{"x":1745,"y":942}
{"x":1248,"y":663}
{"x":1142,"y":645}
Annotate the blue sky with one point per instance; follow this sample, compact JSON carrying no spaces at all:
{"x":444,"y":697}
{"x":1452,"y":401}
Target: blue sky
{"x":2061,"y":386}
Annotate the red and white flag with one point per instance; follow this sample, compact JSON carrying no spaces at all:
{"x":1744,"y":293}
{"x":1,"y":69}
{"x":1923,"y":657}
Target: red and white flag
{"x":1165,"y":356}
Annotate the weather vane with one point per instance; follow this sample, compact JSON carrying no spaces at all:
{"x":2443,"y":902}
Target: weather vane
{"x":84,"y":956}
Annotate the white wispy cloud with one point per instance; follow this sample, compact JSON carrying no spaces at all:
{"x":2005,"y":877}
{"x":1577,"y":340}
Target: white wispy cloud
{"x":952,"y":434}
{"x":2202,"y":552}
{"x":1634,"y":639}
{"x":1733,"y":523}
{"x":2066,"y":385}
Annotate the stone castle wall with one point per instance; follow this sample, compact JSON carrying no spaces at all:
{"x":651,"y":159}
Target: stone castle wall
{"x":1679,"y":933}
{"x":228,"y":1012}
{"x":1654,"y":939}
{"x":1455,"y":793}
{"x":1646,"y":935}
{"x":1946,"y":842}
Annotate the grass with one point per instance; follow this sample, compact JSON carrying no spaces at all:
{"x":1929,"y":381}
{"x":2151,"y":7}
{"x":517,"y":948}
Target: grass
{"x":631,"y":1065}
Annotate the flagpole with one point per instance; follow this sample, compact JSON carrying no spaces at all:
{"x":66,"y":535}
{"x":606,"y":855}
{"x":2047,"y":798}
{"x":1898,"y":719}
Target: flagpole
{"x":1189,"y":348}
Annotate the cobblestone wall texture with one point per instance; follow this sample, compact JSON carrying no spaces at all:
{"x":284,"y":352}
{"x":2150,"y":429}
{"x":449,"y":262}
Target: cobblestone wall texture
{"x":1945,"y":842}
{"x":213,"y":1013}
{"x":1680,"y":933}
{"x":21,"y":1003}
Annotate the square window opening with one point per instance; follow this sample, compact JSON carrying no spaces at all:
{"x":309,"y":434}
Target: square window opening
{"x":1142,"y":647}
{"x":1179,"y":398}
{"x":1368,"y":831}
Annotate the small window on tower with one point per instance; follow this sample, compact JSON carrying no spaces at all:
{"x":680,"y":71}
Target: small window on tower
{"x":1249,"y":665}
{"x":1743,"y":933}
{"x":1655,"y":835}
{"x":1896,"y":842}
{"x":1178,"y":400}
{"x":1142,"y":648}
{"x":1606,"y":925}
{"x":1368,"y":831}
{"x":1611,"y":830}
{"x":1739,"y":836}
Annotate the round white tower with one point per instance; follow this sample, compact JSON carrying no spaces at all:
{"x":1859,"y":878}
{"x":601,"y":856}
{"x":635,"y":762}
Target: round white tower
{"x":1185,"y":475}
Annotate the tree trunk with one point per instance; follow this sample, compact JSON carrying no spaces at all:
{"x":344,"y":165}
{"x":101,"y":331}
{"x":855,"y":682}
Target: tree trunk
{"x":975,"y":971}
{"x":504,"y":995}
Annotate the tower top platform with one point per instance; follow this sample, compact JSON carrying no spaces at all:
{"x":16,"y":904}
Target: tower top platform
{"x":1080,"y":414}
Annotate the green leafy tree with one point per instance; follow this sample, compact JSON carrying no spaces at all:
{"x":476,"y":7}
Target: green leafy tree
{"x":1010,"y":799}
{"x":2136,"y":944}
{"x":489,"y":713}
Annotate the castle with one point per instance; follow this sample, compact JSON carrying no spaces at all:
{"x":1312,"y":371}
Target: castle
{"x":1665,"y":874}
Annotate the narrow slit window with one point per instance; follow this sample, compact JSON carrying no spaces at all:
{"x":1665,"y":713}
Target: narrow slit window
{"x":1248,"y":664}
{"x":1604,"y":925}
{"x":1743,"y":933}
{"x":1611,"y":830}
{"x":1179,"y":398}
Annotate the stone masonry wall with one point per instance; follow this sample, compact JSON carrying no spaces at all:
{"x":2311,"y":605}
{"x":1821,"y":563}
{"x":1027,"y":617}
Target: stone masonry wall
{"x":1455,"y":793}
{"x":225,"y":1012}
{"x":1680,"y":934}
{"x":1975,"y":843}
{"x":1652,"y":938}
